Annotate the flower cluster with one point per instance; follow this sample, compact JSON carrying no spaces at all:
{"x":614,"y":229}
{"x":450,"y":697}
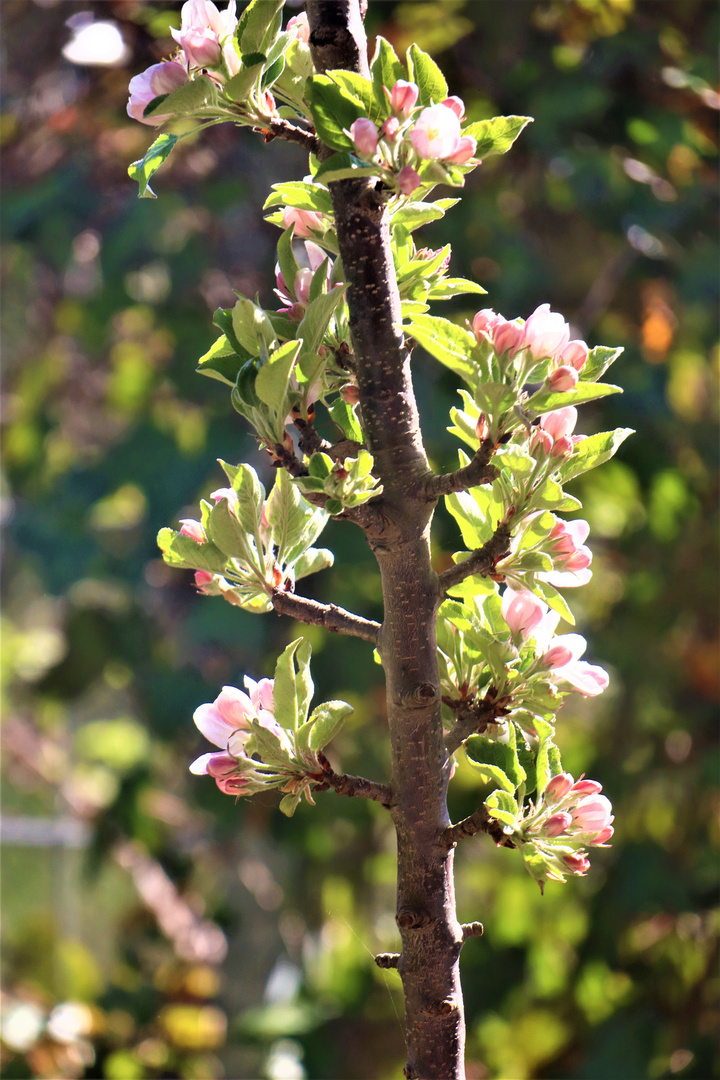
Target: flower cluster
{"x":545,"y":336}
{"x":205,"y":40}
{"x":227,"y":723}
{"x":569,"y":817}
{"x":532,"y":623}
{"x":412,"y":135}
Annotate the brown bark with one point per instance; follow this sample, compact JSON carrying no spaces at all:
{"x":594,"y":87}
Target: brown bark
{"x":431,"y":934}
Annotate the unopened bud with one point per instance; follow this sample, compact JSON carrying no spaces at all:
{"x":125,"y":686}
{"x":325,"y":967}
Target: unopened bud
{"x":364,"y":134}
{"x":390,"y":128}
{"x":481,"y":428}
{"x":563,"y":378}
{"x":350,"y":393}
{"x":577,"y":863}
{"x":562,"y":447}
{"x":557,"y":824}
{"x":408,"y":180}
{"x":558,"y":787}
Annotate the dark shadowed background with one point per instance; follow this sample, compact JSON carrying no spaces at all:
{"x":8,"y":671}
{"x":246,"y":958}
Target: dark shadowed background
{"x":151,"y":926}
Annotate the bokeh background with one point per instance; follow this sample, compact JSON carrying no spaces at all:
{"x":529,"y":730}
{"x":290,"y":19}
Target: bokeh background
{"x":151,"y":926}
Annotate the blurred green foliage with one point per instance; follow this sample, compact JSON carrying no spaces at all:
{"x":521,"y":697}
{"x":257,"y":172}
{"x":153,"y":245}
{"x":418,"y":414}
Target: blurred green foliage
{"x":126,"y":880}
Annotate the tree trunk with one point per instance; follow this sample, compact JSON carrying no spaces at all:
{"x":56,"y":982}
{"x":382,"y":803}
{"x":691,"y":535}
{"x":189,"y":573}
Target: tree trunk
{"x":431,"y":935}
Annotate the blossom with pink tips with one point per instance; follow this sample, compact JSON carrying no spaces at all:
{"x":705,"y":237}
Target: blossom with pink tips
{"x":465,"y":151}
{"x":408,"y":180}
{"x":151,"y":83}
{"x":226,"y":493}
{"x":576,"y":863}
{"x":205,"y":34}
{"x":403,"y":97}
{"x":601,"y":840}
{"x":436,"y":134}
{"x":546,"y":333}
{"x":562,"y":448}
{"x":456,"y":105}
{"x":306,"y":222}
{"x":522,"y":611}
{"x":390,"y":128}
{"x":300,"y":27}
{"x":571,"y":557}
{"x":364,"y":135}
{"x":575,"y":354}
{"x":562,"y":379}
{"x":557,"y":824}
{"x":193,"y":529}
{"x":558,"y":787}
{"x":204,"y":581}
{"x":586,"y":787}
{"x":485,"y":323}
{"x":560,"y":422}
{"x":508,"y":338}
{"x":592,"y":814}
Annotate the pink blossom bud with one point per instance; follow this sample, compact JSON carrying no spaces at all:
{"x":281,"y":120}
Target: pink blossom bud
{"x":575,"y":354}
{"x":456,"y":104}
{"x":466,"y":149}
{"x":563,"y":379}
{"x":225,"y":493}
{"x":403,"y":97}
{"x":408,"y":180}
{"x":556,"y":657}
{"x":220,"y":766}
{"x":151,"y":83}
{"x":300,"y":26}
{"x":193,"y":529}
{"x":560,"y":422}
{"x":540,"y":442}
{"x":522,"y":612}
{"x":436,"y":134}
{"x":577,"y":863}
{"x":508,"y":338}
{"x":603,"y":836}
{"x":485,"y":322}
{"x":202,"y":580}
{"x":481,"y":428}
{"x":558,"y":787}
{"x":234,"y":785}
{"x":305,"y":221}
{"x":350,"y":393}
{"x":562,"y":448}
{"x":303,"y":281}
{"x":390,"y":128}
{"x":364,"y":134}
{"x":557,"y":824}
{"x":587,"y":787}
{"x":546,"y":332}
{"x":593,"y":813}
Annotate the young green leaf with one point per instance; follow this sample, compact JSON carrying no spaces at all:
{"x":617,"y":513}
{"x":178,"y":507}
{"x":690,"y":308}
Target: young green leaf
{"x":343,"y":166}
{"x":327,"y":719}
{"x":226,"y":532}
{"x":547,"y":400}
{"x":185,"y":553}
{"x":502,"y":806}
{"x":452,"y":345}
{"x":300,"y":195}
{"x":593,"y":451}
{"x":333,"y":109}
{"x":221,"y":361}
{"x":344,"y":415}
{"x":386,"y":69}
{"x":251,"y":496}
{"x":423,"y":70}
{"x":314,"y":326}
{"x":285,"y":688}
{"x":254,"y":31}
{"x":484,"y":751}
{"x":142,"y":170}
{"x":196,"y":97}
{"x":599,"y":360}
{"x":273,"y":381}
{"x":497,"y":135}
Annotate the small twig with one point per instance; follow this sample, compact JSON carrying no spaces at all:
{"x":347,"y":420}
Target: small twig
{"x":476,"y":472}
{"x":282,"y":129}
{"x":472,"y":929}
{"x":482,"y":561}
{"x":352,"y":786}
{"x":387,"y":959}
{"x":310,"y":442}
{"x":473,"y":717}
{"x":480,"y":821}
{"x":333,"y":618}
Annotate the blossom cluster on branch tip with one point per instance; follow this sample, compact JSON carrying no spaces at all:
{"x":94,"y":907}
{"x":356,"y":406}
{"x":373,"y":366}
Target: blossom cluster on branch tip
{"x":411,"y":135}
{"x":544,"y":336}
{"x":570,"y":816}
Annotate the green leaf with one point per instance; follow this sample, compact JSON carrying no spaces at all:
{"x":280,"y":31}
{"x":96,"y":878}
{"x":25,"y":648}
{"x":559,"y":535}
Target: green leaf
{"x":251,"y":496}
{"x":285,"y":688}
{"x":185,"y":553}
{"x":599,"y":360}
{"x":312,"y":561}
{"x":300,"y":195}
{"x":255,"y":26}
{"x":546,"y":400}
{"x":314,"y":326}
{"x":502,"y":805}
{"x":304,"y":687}
{"x":196,"y":96}
{"x":386,"y":69}
{"x":548,"y":764}
{"x":414,"y":214}
{"x":593,"y":451}
{"x":289,"y":804}
{"x":327,"y":719}
{"x":238,"y":88}
{"x":272,"y":73}
{"x":357,"y":87}
{"x":343,"y":166}
{"x":221,"y":361}
{"x":450,"y":344}
{"x":293,"y":522}
{"x":492,"y":774}
{"x":344,"y":415}
{"x":227,"y":533}
{"x":553,"y":599}
{"x":268,"y":746}
{"x":273,"y":381}
{"x":423,"y":70}
{"x":252,"y":327}
{"x":142,"y":170}
{"x":497,"y":135}
{"x":333,"y":110}
{"x":448,"y":287}
{"x":484,"y":751}
{"x":286,"y":258}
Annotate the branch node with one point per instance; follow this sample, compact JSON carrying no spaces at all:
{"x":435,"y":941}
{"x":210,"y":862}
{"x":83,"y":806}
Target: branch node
{"x":387,"y":959}
{"x":441,"y":1008}
{"x":420,"y":696}
{"x":472,"y":929}
{"x":411,"y":919}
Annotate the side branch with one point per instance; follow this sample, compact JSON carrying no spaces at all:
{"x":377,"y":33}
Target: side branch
{"x":473,"y":717}
{"x":476,"y":472}
{"x":480,"y":821}
{"x":282,"y":129}
{"x":482,"y":561}
{"x":333,"y":618}
{"x":353,"y":786}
